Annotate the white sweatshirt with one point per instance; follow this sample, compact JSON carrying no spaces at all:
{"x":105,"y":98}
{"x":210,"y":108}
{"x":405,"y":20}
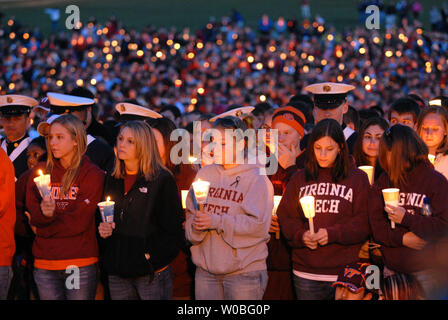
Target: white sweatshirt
{"x":241,"y":201}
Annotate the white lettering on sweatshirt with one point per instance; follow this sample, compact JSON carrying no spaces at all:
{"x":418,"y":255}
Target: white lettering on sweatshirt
{"x":327,"y":189}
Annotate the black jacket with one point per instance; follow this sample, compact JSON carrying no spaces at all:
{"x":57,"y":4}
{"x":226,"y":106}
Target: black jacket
{"x":101,"y":154}
{"x":148,"y":219}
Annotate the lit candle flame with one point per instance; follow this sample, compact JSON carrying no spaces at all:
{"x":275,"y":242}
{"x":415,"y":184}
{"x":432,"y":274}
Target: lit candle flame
{"x":108,"y":199}
{"x":40,"y":173}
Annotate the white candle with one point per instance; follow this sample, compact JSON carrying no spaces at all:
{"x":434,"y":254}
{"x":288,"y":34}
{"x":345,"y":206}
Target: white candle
{"x":391,"y":196}
{"x":107,"y":210}
{"x":192,"y":159}
{"x":43,"y":183}
{"x":307,"y":204}
{"x":200,"y":189}
{"x":277,"y":200}
{"x":369,"y":170}
{"x":184,"y":194}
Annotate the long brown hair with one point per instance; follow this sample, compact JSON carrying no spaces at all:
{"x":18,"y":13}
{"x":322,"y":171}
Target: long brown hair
{"x":165,"y":126}
{"x":146,"y":150}
{"x":358,"y":153}
{"x":405,"y":150}
{"x":443,"y":148}
{"x":78,"y":133}
{"x":328,"y":128}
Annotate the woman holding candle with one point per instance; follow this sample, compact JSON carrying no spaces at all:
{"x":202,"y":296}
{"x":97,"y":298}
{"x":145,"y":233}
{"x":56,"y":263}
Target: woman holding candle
{"x":340,"y":217}
{"x":146,"y":234}
{"x":65,"y":242}
{"x":229,"y":235}
{"x":183,"y":268}
{"x":432,"y":126}
{"x":290,"y":125}
{"x":368,"y":143}
{"x":412,"y":247}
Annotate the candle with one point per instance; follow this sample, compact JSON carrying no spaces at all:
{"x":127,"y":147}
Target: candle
{"x":192,"y":159}
{"x":107,"y":210}
{"x":431,"y":158}
{"x":200,"y":189}
{"x":391,"y":196}
{"x":277,"y":200}
{"x":184,"y":194}
{"x":307,"y":204}
{"x":369,"y":170}
{"x":43,"y":184}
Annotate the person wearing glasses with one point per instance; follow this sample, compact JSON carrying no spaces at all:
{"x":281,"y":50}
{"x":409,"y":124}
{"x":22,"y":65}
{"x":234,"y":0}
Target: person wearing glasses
{"x":412,"y":245}
{"x":229,"y":235}
{"x":404,"y":111}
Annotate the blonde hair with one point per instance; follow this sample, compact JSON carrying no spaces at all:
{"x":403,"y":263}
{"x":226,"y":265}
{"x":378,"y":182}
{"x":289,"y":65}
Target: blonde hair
{"x":149,"y":160}
{"x":78,"y":133}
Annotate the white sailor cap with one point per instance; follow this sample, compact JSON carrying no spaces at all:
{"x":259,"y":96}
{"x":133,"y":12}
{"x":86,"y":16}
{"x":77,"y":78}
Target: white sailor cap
{"x":130,"y":111}
{"x":16,"y":105}
{"x":238,"y":112}
{"x":329,"y":95}
{"x":64,"y":103}
{"x":44,"y":127}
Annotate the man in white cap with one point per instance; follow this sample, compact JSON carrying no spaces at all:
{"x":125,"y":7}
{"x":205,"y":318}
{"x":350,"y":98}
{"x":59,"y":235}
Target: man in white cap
{"x":88,"y":116}
{"x":98,"y":151}
{"x":130,"y":110}
{"x":330,"y":102}
{"x":15,"y":120}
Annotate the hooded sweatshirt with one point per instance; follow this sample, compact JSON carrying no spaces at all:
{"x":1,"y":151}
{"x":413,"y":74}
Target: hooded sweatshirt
{"x":7,"y":210}
{"x":423,"y":182}
{"x":340,"y":208}
{"x":69,"y":236}
{"x":240,"y":200}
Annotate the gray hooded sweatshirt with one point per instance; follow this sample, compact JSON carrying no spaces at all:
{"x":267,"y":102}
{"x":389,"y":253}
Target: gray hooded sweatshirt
{"x":240,"y":200}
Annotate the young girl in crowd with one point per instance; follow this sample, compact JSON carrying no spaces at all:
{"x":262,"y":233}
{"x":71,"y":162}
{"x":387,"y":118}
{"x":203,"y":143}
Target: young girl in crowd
{"x":412,"y":246}
{"x":290,"y":125}
{"x":146,"y":234}
{"x":183,"y":268}
{"x":65,"y":242}
{"x":36,"y":152}
{"x":368,"y":144}
{"x":229,"y":235}
{"x":432,"y":126}
{"x":340,"y":190}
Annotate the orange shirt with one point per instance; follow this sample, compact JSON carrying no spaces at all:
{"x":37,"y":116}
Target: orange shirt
{"x":7,"y":210}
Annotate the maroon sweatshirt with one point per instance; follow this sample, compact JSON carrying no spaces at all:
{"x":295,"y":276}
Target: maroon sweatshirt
{"x":340,"y":208}
{"x":423,"y":182}
{"x":71,"y":232}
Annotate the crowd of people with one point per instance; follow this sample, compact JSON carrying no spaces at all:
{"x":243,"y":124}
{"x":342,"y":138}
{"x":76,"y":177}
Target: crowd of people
{"x":95,"y":110}
{"x":224,"y":63}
